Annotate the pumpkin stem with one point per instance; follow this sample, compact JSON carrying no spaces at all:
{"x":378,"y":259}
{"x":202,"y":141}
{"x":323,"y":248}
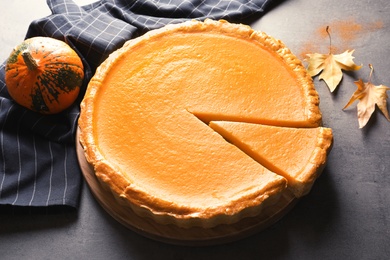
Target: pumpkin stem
{"x":29,"y":60}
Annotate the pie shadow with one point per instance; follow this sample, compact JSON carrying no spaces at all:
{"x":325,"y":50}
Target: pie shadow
{"x":305,"y":224}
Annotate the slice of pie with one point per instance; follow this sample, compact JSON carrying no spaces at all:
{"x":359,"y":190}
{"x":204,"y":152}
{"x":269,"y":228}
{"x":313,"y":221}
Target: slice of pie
{"x":144,"y":120}
{"x":298,"y":154}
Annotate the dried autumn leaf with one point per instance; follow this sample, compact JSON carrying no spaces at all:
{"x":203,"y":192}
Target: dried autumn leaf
{"x":331,"y":66}
{"x":368,"y":95}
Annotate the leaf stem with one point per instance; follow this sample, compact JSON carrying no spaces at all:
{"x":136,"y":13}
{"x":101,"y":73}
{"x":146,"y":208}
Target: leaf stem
{"x":330,"y":39}
{"x":371,"y":71}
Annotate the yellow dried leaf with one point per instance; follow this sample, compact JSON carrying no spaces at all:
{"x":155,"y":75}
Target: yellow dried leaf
{"x":368,"y":95}
{"x":331,"y":66}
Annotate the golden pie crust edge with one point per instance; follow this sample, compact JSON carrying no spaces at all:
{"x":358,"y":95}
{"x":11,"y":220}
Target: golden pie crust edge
{"x":120,"y":187}
{"x":317,"y":161}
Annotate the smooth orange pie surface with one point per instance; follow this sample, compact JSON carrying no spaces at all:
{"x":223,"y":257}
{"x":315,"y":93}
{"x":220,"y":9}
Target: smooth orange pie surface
{"x":298,"y":154}
{"x":144,"y":121}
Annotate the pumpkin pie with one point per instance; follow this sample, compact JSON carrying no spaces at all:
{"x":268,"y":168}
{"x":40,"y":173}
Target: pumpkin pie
{"x":298,"y":154}
{"x":144,"y":121}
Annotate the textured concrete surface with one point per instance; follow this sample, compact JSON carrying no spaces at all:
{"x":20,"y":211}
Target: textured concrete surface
{"x":15,"y":18}
{"x":346,"y":215}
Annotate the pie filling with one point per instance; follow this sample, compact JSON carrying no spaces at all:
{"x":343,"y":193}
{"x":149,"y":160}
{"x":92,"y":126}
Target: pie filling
{"x":298,"y":154}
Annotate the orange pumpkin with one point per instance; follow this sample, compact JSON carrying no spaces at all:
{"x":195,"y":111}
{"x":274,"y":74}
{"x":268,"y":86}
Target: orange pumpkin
{"x":44,"y":74}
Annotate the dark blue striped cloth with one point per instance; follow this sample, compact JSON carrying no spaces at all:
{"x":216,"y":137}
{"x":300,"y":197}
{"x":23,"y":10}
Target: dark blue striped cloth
{"x":38,"y":163}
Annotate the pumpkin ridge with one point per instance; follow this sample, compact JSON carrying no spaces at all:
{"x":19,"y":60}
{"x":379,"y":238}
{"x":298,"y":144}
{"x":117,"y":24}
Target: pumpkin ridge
{"x":66,"y":78}
{"x":13,"y":58}
{"x":38,"y":102}
{"x":46,"y":83}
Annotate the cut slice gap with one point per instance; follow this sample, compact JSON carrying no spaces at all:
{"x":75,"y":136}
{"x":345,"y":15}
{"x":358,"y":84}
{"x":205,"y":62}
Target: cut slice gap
{"x":210,"y":116}
{"x":298,"y":154}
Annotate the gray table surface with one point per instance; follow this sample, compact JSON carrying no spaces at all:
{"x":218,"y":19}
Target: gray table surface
{"x":347,"y":214}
